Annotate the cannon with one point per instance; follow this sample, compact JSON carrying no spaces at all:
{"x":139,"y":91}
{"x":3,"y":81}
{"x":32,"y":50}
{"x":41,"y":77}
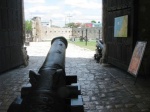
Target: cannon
{"x":50,"y":90}
{"x":99,"y":48}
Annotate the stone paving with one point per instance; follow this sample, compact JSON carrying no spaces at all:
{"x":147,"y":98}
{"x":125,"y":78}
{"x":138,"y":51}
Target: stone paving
{"x":104,"y":87}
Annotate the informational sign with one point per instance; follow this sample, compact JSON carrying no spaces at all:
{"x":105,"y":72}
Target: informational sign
{"x":137,"y":58}
{"x":121,"y":26}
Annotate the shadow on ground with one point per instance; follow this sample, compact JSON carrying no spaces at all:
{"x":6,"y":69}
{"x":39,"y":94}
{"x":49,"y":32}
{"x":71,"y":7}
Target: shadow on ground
{"x":104,"y":87}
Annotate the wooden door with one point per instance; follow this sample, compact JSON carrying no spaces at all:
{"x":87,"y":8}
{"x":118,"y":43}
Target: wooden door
{"x":119,"y":49}
{"x":11,"y":34}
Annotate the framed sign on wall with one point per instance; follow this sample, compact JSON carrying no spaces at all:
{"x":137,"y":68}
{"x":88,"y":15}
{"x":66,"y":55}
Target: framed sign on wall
{"x":136,"y":58}
{"x":121,"y":26}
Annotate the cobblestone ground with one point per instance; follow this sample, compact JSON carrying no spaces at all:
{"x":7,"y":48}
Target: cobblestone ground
{"x":104,"y":87}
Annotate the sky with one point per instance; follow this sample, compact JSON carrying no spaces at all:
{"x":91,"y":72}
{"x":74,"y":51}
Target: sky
{"x":64,"y":11}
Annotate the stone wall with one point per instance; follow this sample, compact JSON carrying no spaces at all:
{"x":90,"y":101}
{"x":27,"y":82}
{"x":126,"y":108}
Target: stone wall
{"x":44,"y":33}
{"x":50,"y":33}
{"x":92,"y":33}
{"x":36,"y":29}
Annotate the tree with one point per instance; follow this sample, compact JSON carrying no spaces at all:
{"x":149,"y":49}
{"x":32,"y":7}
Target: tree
{"x":93,"y":21}
{"x":71,"y":25}
{"x":78,"y":25}
{"x":74,"y":25}
{"x":28,"y":25}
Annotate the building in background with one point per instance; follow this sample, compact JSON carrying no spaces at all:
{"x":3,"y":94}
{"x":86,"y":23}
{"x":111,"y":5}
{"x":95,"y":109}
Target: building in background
{"x":88,"y":25}
{"x":45,"y":31}
{"x":96,"y":25}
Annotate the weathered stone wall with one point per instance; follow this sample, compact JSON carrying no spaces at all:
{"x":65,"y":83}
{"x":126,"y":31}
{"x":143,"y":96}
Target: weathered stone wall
{"x":36,"y":29}
{"x":92,"y":33}
{"x":44,"y":33}
{"x":50,"y":33}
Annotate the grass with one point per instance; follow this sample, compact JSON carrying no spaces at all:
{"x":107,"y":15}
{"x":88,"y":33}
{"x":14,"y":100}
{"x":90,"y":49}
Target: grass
{"x":91,"y":45}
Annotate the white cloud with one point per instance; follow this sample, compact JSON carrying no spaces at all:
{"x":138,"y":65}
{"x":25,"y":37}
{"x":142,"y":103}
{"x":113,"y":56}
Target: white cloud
{"x":42,"y":9}
{"x":87,"y":19}
{"x":73,"y":13}
{"x":34,"y":1}
{"x":57,"y":15}
{"x":80,"y":10}
{"x":84,"y":4}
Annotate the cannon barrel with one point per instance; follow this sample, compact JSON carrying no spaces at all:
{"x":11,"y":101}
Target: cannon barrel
{"x":49,"y":90}
{"x":100,"y":44}
{"x":54,"y":62}
{"x":99,"y":48}
{"x":56,"y":55}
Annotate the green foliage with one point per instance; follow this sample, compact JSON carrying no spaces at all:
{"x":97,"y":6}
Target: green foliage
{"x":73,"y":25}
{"x":93,"y":21}
{"x":91,"y":45}
{"x":70,"y":25}
{"x":28,"y":25}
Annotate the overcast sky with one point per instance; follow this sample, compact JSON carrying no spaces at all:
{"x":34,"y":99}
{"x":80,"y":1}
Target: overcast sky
{"x":61,"y":11}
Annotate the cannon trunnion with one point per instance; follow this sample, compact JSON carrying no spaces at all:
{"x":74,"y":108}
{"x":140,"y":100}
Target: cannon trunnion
{"x":50,"y":89}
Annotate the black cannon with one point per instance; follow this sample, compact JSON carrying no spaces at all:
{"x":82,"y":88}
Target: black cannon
{"x":99,"y":48}
{"x":50,"y":90}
